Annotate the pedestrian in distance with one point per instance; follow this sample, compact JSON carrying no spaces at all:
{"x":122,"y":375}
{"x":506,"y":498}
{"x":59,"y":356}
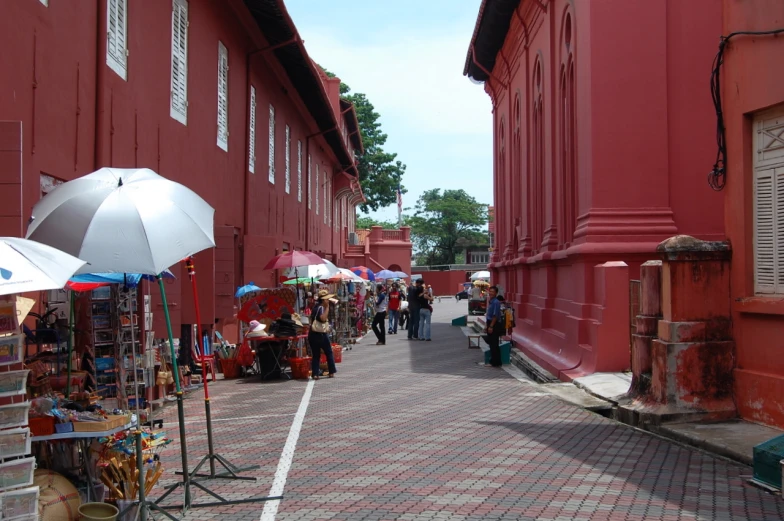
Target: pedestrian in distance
{"x":425,"y":313}
{"x":320,"y":341}
{"x":381,"y":314}
{"x":413,"y":309}
{"x":495,"y":326}
{"x":394,"y":309}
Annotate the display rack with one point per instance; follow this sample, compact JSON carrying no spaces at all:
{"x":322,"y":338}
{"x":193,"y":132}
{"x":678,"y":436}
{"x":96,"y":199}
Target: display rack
{"x":103,"y":311}
{"x":129,"y":337}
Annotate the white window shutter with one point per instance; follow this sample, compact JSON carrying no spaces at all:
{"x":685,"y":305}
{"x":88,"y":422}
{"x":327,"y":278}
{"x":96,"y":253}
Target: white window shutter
{"x":299,"y":171}
{"x":326,"y":204}
{"x":117,"y":36}
{"x":179,"y":62}
{"x":764,"y":232}
{"x":223,"y":97}
{"x":310,"y":190}
{"x":316,"y":186}
{"x":271,"y":144}
{"x":768,"y":211}
{"x":288,"y":160}
{"x":779,"y":223}
{"x":252,"y":132}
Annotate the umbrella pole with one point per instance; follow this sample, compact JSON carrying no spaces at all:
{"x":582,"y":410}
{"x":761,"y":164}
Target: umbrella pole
{"x":231,"y":469}
{"x":70,"y":343}
{"x":186,"y":483}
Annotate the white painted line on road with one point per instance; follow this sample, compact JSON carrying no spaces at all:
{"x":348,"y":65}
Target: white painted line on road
{"x":286,"y":457}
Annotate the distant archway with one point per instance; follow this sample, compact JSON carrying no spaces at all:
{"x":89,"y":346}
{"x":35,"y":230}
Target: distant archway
{"x":395,"y":267}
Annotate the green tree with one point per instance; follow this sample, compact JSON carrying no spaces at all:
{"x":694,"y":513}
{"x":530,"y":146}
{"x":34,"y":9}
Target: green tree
{"x":380,"y":172}
{"x":444,"y":224}
{"x":365,"y":222}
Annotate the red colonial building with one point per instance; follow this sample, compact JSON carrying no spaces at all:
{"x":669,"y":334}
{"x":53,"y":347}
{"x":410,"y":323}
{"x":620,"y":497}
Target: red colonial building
{"x":218,"y":95}
{"x":753,"y":108}
{"x":602,"y":139}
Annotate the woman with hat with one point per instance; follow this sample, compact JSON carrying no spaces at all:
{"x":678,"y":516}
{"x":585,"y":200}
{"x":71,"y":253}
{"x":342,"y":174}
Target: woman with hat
{"x":319,"y":341}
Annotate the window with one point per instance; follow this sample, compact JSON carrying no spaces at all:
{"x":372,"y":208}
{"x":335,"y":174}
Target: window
{"x":316,"y":186}
{"x":272,"y":145}
{"x":117,"y":37}
{"x":326,"y":206}
{"x":769,"y":203}
{"x":179,"y":61}
{"x":223,"y":97}
{"x":252,"y":132}
{"x":310,"y":199}
{"x":479,"y":257}
{"x":288,"y":160}
{"x":299,"y":171}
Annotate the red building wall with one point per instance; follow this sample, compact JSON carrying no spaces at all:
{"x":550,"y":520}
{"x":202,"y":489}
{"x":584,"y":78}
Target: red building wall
{"x":751,"y":84}
{"x":78,"y":115}
{"x":601,"y":139}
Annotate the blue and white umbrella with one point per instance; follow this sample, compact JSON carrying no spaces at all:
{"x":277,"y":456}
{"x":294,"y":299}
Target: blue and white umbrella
{"x":386,"y":274}
{"x":247,"y":288}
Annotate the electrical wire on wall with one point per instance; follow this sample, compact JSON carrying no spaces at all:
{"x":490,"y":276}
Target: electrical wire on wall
{"x":717,"y":177}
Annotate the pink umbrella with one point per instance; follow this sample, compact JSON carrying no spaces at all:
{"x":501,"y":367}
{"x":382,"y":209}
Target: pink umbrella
{"x":292,"y":259}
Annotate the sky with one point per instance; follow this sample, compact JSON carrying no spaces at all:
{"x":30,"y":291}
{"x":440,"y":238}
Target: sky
{"x":407,"y":56}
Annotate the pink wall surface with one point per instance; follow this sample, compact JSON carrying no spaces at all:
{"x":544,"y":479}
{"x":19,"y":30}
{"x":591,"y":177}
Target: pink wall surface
{"x":78,"y":115}
{"x":445,"y":283}
{"x":602,"y":139}
{"x":751,"y":84}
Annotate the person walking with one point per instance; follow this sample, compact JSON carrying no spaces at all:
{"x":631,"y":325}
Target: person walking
{"x":425,"y":314}
{"x":381,"y":314}
{"x":319,"y":340}
{"x":394,"y":309}
{"x":413,"y":309}
{"x":495,"y":327}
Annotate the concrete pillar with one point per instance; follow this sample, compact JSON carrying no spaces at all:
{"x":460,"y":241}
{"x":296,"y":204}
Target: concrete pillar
{"x":646,"y":328}
{"x":376,"y":234}
{"x":693,"y":356}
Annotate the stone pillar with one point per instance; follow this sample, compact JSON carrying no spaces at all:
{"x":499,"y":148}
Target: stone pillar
{"x":406,"y":233}
{"x":376,"y":234}
{"x":646,"y":326}
{"x":693,"y":356}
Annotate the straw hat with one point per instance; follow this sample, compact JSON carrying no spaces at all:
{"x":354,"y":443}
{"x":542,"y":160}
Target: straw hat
{"x":324,"y":294}
{"x":256,"y":330}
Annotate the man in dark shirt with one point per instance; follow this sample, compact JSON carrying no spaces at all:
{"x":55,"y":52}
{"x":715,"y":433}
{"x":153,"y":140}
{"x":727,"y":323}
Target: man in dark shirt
{"x":413,"y":308}
{"x":495,"y":326}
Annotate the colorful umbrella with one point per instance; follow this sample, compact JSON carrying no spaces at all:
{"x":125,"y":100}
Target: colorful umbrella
{"x":292,"y":259}
{"x":364,"y":273}
{"x":386,"y":274}
{"x":247,"y":288}
{"x":90,"y":281}
{"x":301,"y":280}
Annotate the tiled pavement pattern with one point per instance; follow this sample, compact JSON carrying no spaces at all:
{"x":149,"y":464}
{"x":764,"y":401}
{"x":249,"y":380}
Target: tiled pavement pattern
{"x":417,"y":430}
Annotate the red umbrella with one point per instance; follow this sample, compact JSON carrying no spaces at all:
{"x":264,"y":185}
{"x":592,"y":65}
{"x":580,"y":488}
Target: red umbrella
{"x":292,"y":259}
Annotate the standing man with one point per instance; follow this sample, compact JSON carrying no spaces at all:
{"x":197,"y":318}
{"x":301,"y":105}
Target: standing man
{"x":495,"y":327}
{"x":394,"y":309}
{"x":381,"y":314}
{"x":413,"y":309}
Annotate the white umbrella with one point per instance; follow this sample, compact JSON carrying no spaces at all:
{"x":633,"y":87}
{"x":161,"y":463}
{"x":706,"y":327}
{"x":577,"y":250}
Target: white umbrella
{"x":481,"y":275}
{"x":314,"y":271}
{"x":32,"y":266}
{"x":346,"y":275}
{"x":124,"y":221}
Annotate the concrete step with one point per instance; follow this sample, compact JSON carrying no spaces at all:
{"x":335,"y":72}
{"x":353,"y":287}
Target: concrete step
{"x":577,"y":396}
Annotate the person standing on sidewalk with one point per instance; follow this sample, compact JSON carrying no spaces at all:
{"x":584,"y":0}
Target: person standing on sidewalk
{"x":394,"y":309}
{"x":425,"y":312}
{"x":495,"y":327}
{"x":381,"y":314}
{"x":320,"y":341}
{"x":413,"y":309}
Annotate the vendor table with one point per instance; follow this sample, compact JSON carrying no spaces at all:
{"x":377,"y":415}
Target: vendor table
{"x":83,"y":440}
{"x":279,"y":346}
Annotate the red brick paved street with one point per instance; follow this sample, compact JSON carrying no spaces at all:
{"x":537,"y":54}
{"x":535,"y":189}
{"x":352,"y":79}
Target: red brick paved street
{"x":417,"y":430}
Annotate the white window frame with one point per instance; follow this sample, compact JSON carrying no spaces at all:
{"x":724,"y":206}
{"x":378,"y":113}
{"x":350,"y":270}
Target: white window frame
{"x":223,"y":97}
{"x":252,"y":132}
{"x":299,"y":171}
{"x":326,"y":204}
{"x":768,"y":197}
{"x":288,"y":160}
{"x":316,"y":194}
{"x":271,"y":162}
{"x":310,"y":177}
{"x":117,"y":42}
{"x":179,"y":55}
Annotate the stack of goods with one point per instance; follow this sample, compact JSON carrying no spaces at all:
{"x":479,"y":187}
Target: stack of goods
{"x":286,"y":326}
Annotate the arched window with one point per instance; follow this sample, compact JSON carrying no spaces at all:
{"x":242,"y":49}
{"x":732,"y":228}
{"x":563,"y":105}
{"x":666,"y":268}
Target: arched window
{"x":568,"y":132}
{"x":517,"y":173}
{"x":537,"y":158}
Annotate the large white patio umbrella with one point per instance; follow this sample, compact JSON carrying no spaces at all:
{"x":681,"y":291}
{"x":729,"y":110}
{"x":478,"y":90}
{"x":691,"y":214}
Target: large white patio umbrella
{"x":32,"y":266}
{"x":312,"y":271}
{"x":481,"y":275}
{"x":129,"y":221}
{"x":124,"y":221}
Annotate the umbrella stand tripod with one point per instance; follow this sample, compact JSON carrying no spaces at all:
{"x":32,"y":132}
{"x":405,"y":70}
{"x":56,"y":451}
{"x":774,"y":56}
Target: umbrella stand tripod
{"x":231,"y":469}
